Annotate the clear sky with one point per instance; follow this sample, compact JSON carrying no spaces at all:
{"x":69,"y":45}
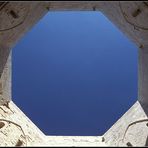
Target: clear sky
{"x":74,"y":73}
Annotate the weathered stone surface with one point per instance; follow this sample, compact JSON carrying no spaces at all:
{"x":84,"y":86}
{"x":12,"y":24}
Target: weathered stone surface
{"x":18,"y":127}
{"x":73,"y":6}
{"x":5,"y":83}
{"x":136,"y":134}
{"x":143,"y":78}
{"x":70,"y":141}
{"x":12,"y":29}
{"x":17,"y":18}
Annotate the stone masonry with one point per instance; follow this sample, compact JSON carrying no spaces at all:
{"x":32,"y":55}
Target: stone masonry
{"x":16,"y":129}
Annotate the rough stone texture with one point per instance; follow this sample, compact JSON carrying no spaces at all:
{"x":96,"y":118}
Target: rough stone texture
{"x":13,"y":28}
{"x":120,"y":13}
{"x":5,"y":83}
{"x":18,"y":17}
{"x":143,"y":78}
{"x":73,"y":6}
{"x":136,"y":133}
{"x":70,"y":141}
{"x":18,"y":127}
{"x":25,"y":130}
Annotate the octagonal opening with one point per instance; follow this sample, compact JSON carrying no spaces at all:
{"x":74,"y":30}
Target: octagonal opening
{"x":74,"y":73}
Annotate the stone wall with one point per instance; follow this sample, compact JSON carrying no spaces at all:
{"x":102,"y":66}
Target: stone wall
{"x":19,"y":17}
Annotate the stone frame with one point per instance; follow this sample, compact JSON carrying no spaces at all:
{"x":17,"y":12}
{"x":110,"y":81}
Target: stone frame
{"x":129,"y":17}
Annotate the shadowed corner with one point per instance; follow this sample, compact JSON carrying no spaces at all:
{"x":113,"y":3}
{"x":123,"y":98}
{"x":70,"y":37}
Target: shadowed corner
{"x":146,"y":143}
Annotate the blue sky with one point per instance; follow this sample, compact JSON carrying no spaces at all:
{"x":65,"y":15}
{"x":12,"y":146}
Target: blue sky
{"x":74,"y":73}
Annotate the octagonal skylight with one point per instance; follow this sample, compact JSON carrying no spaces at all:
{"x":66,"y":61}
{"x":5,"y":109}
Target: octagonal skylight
{"x":74,"y":73}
